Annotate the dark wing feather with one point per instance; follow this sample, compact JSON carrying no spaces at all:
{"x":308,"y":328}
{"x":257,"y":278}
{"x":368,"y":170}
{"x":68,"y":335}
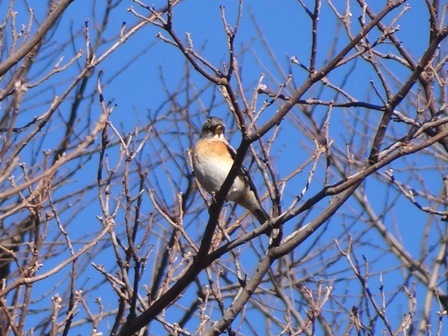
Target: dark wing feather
{"x":261,"y":215}
{"x":243,"y":173}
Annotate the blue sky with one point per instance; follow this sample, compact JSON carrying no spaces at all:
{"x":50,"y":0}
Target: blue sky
{"x":138,"y":92}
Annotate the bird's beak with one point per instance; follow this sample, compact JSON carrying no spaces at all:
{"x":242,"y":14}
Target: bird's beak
{"x":219,"y":130}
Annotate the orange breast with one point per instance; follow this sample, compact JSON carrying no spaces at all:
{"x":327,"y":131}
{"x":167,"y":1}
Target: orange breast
{"x":213,"y":148}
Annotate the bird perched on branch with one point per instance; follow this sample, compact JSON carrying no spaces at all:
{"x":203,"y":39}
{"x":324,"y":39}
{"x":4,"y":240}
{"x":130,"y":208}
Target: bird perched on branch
{"x":213,"y":158}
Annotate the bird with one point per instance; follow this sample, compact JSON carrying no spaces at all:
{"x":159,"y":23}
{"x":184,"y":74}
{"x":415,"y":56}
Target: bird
{"x":213,"y":158}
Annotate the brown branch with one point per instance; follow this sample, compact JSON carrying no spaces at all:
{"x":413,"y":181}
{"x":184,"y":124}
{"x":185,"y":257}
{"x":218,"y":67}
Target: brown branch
{"x":318,"y":75}
{"x":49,"y":22}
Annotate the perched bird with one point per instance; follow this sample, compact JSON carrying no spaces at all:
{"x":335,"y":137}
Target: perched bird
{"x":212,"y":159}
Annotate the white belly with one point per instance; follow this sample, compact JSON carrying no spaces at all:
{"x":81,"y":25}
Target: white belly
{"x":211,"y":176}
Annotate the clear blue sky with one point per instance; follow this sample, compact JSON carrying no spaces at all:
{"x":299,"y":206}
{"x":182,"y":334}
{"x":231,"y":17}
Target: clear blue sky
{"x":137,"y":91}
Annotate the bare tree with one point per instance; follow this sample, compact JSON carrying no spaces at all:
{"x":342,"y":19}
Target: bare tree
{"x":343,"y":127}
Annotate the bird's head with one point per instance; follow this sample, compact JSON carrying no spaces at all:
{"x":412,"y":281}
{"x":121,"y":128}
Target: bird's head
{"x":213,"y":127}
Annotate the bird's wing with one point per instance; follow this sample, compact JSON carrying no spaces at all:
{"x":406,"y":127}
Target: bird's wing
{"x":243,"y":173}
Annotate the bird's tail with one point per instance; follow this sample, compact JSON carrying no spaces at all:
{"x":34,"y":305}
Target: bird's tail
{"x":273,"y":233}
{"x":261,"y":215}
